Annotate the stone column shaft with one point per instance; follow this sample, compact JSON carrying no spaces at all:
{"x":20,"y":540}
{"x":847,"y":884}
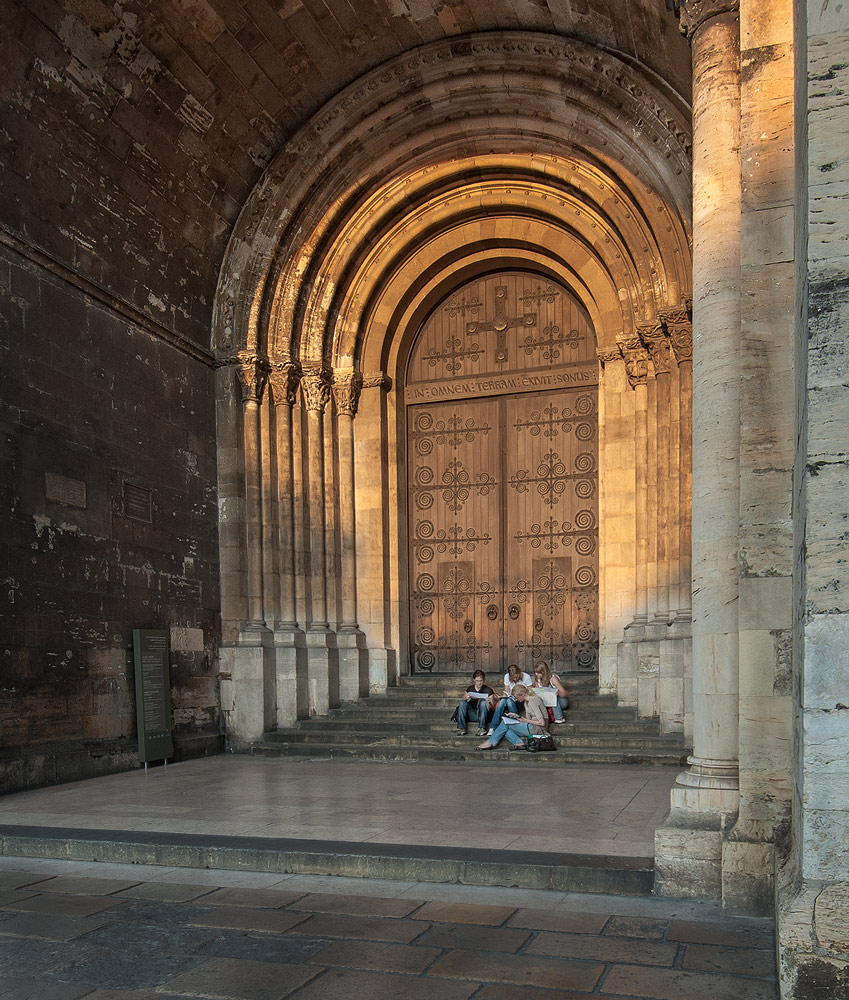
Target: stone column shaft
{"x":284,"y":379}
{"x":316,"y":389}
{"x":346,"y":392}
{"x":252,"y":374}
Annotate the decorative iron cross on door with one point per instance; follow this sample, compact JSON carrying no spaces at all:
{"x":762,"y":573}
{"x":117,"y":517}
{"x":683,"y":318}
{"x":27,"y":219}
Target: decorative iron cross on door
{"x":501,"y":324}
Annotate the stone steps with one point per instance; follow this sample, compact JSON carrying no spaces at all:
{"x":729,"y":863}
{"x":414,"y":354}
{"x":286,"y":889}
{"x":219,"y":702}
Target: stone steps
{"x":413,"y":722}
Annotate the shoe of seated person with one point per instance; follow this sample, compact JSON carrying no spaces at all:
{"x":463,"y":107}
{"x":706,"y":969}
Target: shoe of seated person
{"x":483,"y":732}
{"x":489,"y":732}
{"x":559,"y":722}
{"x":461,"y":732}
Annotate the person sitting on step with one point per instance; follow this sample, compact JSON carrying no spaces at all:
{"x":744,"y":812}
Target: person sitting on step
{"x":536,"y":721}
{"x":557,"y":699}
{"x":506,"y":703}
{"x":475,"y":701}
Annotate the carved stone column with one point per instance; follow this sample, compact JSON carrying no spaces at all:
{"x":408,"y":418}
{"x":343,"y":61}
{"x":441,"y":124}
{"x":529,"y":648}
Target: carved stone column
{"x":290,"y":648}
{"x":680,"y":330}
{"x":322,"y":657}
{"x":654,"y":339}
{"x":353,"y":661}
{"x":705,"y":798}
{"x":253,"y":373}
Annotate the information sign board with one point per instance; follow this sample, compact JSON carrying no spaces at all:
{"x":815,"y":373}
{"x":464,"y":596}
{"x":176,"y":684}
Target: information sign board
{"x":153,"y":694}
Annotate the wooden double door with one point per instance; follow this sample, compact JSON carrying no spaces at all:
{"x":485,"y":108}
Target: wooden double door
{"x":503,"y":531}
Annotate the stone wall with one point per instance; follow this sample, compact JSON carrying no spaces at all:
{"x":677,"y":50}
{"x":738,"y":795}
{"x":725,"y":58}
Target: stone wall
{"x":109,"y":512}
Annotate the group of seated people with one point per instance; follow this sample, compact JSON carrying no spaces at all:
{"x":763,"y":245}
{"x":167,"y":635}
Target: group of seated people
{"x":519,"y":712}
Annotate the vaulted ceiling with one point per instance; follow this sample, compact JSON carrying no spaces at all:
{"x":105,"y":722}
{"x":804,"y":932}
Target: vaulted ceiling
{"x":132,"y":134}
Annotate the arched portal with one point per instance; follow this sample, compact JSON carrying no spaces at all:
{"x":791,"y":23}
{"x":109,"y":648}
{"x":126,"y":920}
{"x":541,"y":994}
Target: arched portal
{"x":436,"y":173}
{"x":502,"y":479}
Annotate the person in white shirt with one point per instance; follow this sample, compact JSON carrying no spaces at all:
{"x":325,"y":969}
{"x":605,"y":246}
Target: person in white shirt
{"x":536,"y":721}
{"x":507,"y":703}
{"x":545,"y":679}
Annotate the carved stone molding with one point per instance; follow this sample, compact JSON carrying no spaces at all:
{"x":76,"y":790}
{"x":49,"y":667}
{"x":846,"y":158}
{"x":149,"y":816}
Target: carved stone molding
{"x":605,"y":357}
{"x":347,"y":384}
{"x":636,"y":359}
{"x":694,"y":13}
{"x":656,"y":343}
{"x":679,"y":326}
{"x":253,"y":375}
{"x":315,"y":385}
{"x":377,"y":380}
{"x":285,"y":377}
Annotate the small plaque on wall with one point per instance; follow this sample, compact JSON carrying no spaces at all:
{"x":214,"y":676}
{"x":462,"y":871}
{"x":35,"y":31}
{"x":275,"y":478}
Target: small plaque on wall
{"x":61,"y":489}
{"x":153,"y":694}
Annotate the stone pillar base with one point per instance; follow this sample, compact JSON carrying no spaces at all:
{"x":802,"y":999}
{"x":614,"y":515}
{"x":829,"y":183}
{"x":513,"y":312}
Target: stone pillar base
{"x":290,"y":656}
{"x":246,"y":676}
{"x":688,"y":844}
{"x":812,"y":928}
{"x":382,"y":670}
{"x":322,"y":670}
{"x":353,"y":665}
{"x":748,"y":877}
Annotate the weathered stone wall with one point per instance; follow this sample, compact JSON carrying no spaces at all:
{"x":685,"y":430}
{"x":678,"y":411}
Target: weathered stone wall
{"x":100,"y":417}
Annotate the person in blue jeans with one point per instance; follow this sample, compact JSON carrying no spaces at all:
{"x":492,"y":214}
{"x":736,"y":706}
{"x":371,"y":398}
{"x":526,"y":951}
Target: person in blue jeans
{"x":506,"y":703}
{"x":473,"y":704}
{"x":544,"y":678}
{"x":536,"y":721}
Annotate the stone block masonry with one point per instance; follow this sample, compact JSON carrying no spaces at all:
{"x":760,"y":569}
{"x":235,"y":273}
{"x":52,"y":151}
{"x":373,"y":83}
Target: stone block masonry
{"x":110,"y":515}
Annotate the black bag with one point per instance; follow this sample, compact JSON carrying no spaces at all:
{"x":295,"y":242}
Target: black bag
{"x":454,"y":716}
{"x":539,"y":743}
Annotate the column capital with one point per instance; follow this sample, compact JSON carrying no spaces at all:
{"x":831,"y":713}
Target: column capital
{"x":285,"y":377}
{"x":656,"y":343}
{"x":606,"y":356}
{"x":315,"y":385}
{"x":377,"y":380}
{"x":692,"y":14}
{"x":347,"y":384}
{"x":636,"y":359}
{"x":679,"y":327}
{"x":252,"y":370}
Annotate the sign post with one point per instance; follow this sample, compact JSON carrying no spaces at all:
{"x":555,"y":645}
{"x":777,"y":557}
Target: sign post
{"x":153,"y":695}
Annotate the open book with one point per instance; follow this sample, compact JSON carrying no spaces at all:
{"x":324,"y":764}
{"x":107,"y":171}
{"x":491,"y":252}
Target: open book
{"x":477,"y":695}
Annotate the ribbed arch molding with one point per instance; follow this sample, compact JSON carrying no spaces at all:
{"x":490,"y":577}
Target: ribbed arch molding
{"x":588,"y":152}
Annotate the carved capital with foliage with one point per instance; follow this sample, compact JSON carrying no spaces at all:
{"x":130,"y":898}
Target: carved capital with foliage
{"x":285,"y":377}
{"x":606,"y":356}
{"x":636,"y":359}
{"x":656,"y":343}
{"x":253,"y":375}
{"x":315,"y":385}
{"x":377,"y":380}
{"x":347,"y":384}
{"x":692,"y":14}
{"x":679,"y":326}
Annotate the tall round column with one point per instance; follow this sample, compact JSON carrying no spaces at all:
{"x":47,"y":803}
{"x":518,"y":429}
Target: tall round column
{"x":315,"y":386}
{"x":706,"y":795}
{"x":284,"y":378}
{"x":252,"y":376}
{"x":346,"y":394}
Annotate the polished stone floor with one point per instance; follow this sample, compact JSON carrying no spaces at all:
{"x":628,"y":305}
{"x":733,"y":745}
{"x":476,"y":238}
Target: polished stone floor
{"x":580,"y":809}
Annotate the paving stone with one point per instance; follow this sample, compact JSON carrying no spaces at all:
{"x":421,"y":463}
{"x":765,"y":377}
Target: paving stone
{"x":12,"y":896}
{"x":503,"y":939}
{"x":672,"y":984}
{"x":637,"y":927}
{"x":256,"y":898}
{"x":132,"y":995}
{"x":65,"y":906}
{"x":559,"y":920}
{"x":44,"y":925}
{"x":507,"y":991}
{"x":744,"y":961}
{"x":31,"y":989}
{"x":350,"y":985}
{"x":344,"y":925}
{"x":27,"y":957}
{"x":78,"y":885}
{"x":165,"y":892}
{"x":733,"y":933}
{"x":262,"y":947}
{"x":371,"y":906}
{"x":465,"y":913}
{"x":381,"y":956}
{"x":17,"y":880}
{"x":144,"y":911}
{"x":235,"y":979}
{"x":245,"y":918}
{"x":121,"y":964}
{"x":546,"y":972}
{"x":602,"y":949}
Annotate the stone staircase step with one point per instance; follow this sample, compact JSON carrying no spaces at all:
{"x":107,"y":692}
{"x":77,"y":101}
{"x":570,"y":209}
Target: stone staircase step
{"x":413,"y":722}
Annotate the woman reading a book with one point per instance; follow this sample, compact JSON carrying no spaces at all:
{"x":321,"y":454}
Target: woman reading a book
{"x":515,"y":728}
{"x":549,"y":688}
{"x":506,"y":703}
